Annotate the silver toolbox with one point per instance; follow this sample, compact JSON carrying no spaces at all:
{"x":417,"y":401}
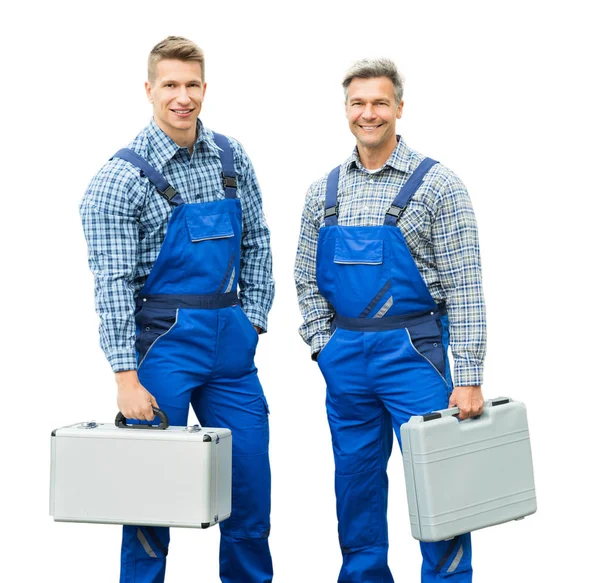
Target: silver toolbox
{"x":163,"y":476}
{"x":462,"y":476}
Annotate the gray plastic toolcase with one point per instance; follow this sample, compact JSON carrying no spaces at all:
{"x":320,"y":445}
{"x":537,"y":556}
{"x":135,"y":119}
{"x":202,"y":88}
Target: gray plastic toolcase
{"x":178,"y":476}
{"x":462,"y":476}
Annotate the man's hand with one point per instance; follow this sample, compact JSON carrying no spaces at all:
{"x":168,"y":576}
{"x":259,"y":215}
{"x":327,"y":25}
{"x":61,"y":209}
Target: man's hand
{"x":133,"y":400}
{"x":469,"y":401}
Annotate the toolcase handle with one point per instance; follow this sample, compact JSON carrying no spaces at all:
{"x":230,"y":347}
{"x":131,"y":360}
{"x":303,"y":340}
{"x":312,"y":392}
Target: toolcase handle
{"x":121,"y":421}
{"x":454,"y":411}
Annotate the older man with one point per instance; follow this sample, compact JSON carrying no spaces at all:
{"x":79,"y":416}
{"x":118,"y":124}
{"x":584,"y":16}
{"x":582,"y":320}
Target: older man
{"x":388,"y":275}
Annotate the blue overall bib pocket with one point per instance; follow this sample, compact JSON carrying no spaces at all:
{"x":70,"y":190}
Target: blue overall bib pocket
{"x":152,"y":324}
{"x":208,"y":227}
{"x":214,"y":248}
{"x":359,"y":272}
{"x":358,"y":251}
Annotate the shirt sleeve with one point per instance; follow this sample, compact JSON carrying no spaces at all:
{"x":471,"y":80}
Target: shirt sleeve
{"x":316,"y":311}
{"x":256,"y":285}
{"x":456,"y":248}
{"x":110,"y":225}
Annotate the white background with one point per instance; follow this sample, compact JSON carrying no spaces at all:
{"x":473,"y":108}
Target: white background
{"x":504,"y":93}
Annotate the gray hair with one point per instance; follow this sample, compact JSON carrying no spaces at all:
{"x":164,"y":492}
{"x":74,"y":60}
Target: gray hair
{"x":370,"y":68}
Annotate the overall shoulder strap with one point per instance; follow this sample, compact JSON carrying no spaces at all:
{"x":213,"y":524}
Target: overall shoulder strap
{"x":153,"y":175}
{"x":331,"y":206}
{"x":228,"y":172}
{"x":407,"y":191}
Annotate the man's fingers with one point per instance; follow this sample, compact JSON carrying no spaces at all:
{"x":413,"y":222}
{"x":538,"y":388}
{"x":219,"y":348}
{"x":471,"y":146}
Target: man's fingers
{"x":470,"y":410}
{"x":148,"y":412}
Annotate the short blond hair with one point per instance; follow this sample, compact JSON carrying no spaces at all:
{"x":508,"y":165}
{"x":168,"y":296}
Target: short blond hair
{"x":174,"y":47}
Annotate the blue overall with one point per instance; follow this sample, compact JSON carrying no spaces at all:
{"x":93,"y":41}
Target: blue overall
{"x":386,"y":361}
{"x":196,"y":346}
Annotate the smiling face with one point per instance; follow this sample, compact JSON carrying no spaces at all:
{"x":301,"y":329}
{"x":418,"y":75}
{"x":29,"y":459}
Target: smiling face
{"x":176,"y":93}
{"x":372,"y":112}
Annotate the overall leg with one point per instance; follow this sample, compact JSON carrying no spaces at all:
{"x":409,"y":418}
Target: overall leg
{"x":413,"y":385}
{"x":164,"y":371}
{"x":234,"y":398}
{"x":144,"y":548}
{"x":362,"y":441}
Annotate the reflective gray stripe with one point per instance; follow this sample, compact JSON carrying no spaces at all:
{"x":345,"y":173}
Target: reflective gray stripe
{"x":384,"y":308}
{"x":229,"y":266}
{"x":457,"y":559}
{"x":146,"y":544}
{"x":230,"y":285}
{"x":375,"y":300}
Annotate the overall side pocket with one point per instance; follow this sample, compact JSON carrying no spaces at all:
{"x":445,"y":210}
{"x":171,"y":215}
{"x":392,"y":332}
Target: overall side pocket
{"x":426,"y":340}
{"x":152,"y":324}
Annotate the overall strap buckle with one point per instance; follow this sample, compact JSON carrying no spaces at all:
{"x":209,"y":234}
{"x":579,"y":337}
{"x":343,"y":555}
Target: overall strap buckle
{"x":395,"y":211}
{"x":169,"y":193}
{"x":331,"y":211}
{"x":149,"y":172}
{"x":229,"y":181}
{"x":228,"y":174}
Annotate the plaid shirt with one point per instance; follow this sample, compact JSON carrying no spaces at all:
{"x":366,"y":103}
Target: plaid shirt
{"x":440,"y":230}
{"x":125,"y":222}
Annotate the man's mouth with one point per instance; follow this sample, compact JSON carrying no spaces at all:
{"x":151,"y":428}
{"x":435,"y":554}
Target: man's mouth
{"x":182,"y":111}
{"x":370,"y":128}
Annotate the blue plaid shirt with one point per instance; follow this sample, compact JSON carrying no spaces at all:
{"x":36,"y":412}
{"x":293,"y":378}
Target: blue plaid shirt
{"x":125,"y":222}
{"x":440,"y":230}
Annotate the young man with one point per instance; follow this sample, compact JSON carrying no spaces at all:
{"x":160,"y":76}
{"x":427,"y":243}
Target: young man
{"x":174,"y":224}
{"x":387,"y":274}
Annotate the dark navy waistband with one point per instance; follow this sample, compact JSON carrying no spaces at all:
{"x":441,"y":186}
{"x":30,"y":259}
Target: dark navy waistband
{"x":201,"y":302}
{"x":387,"y":322}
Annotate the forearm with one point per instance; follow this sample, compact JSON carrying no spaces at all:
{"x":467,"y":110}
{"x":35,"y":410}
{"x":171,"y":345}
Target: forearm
{"x":317,"y":314}
{"x":456,"y":247}
{"x":256,"y":285}
{"x":467,"y":339}
{"x":117,"y":329}
{"x":316,"y":311}
{"x":112,"y":246}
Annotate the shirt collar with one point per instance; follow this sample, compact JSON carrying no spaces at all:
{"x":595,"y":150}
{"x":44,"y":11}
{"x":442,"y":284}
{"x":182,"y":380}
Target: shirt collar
{"x":400,"y":159}
{"x":167,"y":148}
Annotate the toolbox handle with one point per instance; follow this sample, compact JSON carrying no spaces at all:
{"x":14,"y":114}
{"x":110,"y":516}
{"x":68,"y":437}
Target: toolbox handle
{"x":455,"y":411}
{"x":121,"y":421}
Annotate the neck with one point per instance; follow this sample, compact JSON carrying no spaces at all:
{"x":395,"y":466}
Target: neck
{"x":183,"y":138}
{"x":374,"y":158}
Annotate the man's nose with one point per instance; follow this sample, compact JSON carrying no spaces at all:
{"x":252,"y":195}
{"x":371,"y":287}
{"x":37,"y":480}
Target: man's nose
{"x":368,"y":111}
{"x":183,"y":96}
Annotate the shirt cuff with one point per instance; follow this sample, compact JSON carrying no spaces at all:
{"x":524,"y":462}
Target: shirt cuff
{"x":122,"y":360}
{"x":468,"y":374}
{"x":317,"y":343}
{"x":256,"y":316}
